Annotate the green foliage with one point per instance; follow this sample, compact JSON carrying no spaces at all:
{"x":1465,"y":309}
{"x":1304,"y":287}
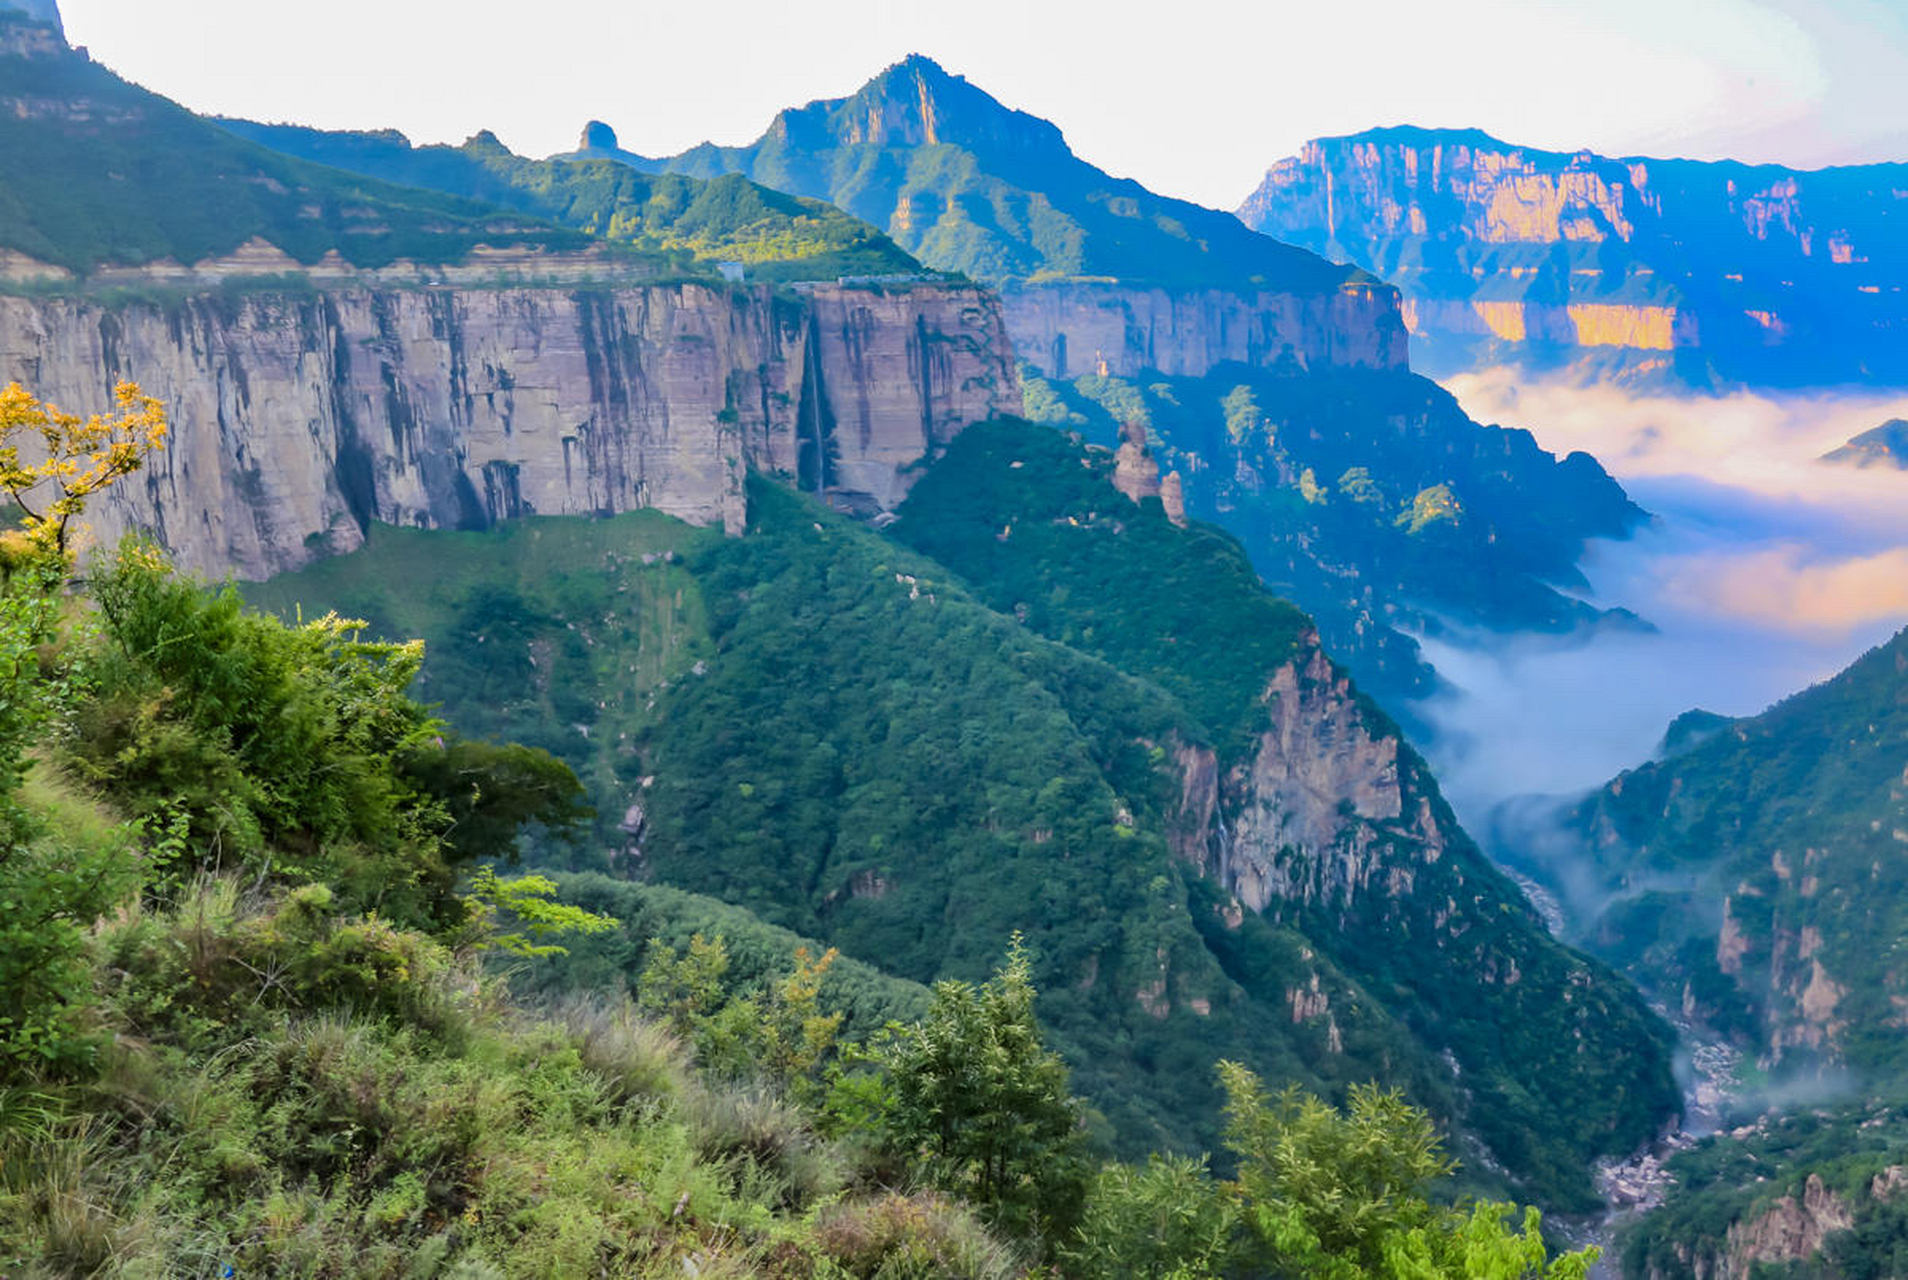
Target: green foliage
{"x":527,"y":900}
{"x":973,"y":1092}
{"x":1776,"y":828}
{"x":1344,"y":1196}
{"x":1429,"y":506}
{"x":1244,"y":439}
{"x":200,"y":192}
{"x":280,"y":747}
{"x":728,"y":218}
{"x":57,"y":875}
{"x":554,"y":633}
{"x":1166,"y":1220}
{"x":1035,"y":525}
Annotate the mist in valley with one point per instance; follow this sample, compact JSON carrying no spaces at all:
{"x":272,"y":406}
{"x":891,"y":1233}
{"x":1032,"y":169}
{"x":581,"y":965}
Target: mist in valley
{"x":1762,"y":572}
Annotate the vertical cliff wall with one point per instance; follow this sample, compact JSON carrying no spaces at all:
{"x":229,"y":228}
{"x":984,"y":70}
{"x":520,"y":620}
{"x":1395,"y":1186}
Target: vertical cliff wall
{"x":299,"y":418}
{"x":1069,"y":329}
{"x":1754,"y":273}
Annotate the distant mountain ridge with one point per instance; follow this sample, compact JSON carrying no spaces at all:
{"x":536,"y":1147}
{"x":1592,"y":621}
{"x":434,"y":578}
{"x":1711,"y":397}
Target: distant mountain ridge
{"x":1883,"y":446}
{"x":124,"y":178}
{"x":774,"y":236}
{"x":1684,"y":271}
{"x":1275,"y":382}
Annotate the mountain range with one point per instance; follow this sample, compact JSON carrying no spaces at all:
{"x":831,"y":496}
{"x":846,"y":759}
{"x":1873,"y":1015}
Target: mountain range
{"x":919,"y":543}
{"x":1272,"y":383}
{"x":1671,"y":272}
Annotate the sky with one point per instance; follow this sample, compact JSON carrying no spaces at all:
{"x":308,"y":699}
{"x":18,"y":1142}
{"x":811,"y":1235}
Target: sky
{"x":1195,"y":99}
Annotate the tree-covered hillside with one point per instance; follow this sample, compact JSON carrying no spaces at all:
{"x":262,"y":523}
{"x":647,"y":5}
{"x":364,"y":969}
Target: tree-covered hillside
{"x":821,"y":725}
{"x":271,"y":1004}
{"x":1368,"y":497}
{"x":98,"y":172}
{"x":1758,"y":875}
{"x":776,"y":236}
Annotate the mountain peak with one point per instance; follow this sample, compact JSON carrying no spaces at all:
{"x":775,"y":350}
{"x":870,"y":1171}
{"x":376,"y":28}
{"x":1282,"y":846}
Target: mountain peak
{"x":918,"y":102}
{"x":597,"y":136}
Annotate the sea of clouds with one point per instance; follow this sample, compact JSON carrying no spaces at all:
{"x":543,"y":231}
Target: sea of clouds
{"x":1763,"y":571}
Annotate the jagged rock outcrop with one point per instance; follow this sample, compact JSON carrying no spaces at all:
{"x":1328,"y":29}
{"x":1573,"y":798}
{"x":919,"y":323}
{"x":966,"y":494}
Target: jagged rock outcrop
{"x":1135,"y":473}
{"x":1789,"y":1230}
{"x":1673,"y":269}
{"x":1883,"y":446}
{"x":301,"y":418}
{"x":1308,"y":803}
{"x":1786,"y":1231}
{"x":1172,"y":496}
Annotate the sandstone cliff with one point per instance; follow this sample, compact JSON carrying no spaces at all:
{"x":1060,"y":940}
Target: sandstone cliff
{"x":1753,"y":273}
{"x":300,"y":418}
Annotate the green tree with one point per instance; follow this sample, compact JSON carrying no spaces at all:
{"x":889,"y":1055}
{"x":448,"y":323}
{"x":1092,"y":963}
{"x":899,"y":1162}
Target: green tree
{"x":51,"y":888}
{"x":1165,"y":1220}
{"x":1331,"y":1195}
{"x":975,"y":1094}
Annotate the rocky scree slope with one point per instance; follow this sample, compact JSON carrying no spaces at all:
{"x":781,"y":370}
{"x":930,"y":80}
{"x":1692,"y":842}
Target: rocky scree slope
{"x":1670,"y":271}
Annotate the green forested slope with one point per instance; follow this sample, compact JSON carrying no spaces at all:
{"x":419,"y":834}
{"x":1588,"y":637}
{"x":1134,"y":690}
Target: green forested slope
{"x":1047,"y":540}
{"x":1761,"y":872}
{"x":728,"y":218}
{"x":835,"y":733}
{"x":95,"y":171}
{"x":1370,"y":497}
{"x":881,"y":763}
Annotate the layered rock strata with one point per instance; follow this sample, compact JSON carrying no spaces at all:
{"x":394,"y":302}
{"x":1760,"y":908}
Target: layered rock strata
{"x":1688,"y":269}
{"x":1067,"y":330}
{"x":301,"y":418}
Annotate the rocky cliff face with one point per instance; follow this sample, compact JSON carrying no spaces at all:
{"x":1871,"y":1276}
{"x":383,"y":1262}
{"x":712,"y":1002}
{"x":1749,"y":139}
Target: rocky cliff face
{"x":301,"y":418}
{"x":1129,"y":280}
{"x":1789,"y":1230}
{"x":1066,"y":330}
{"x":1752,"y":273}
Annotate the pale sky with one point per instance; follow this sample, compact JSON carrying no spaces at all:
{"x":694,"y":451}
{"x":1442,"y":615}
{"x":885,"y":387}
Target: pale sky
{"x":1195,"y":98}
